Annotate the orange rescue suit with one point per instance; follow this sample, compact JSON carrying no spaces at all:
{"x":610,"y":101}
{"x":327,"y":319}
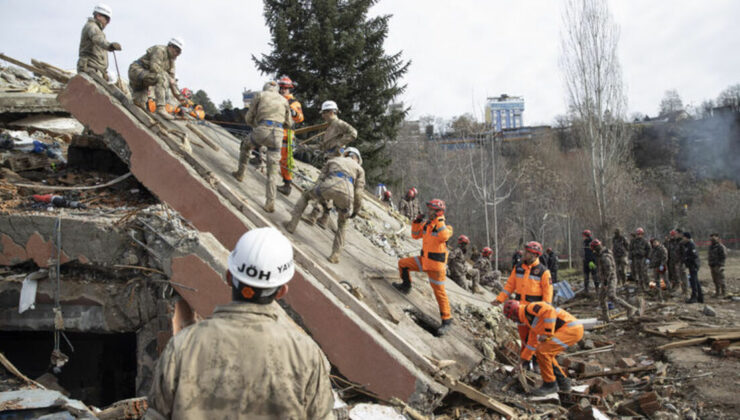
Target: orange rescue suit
{"x":527,"y":283}
{"x":551,"y":331}
{"x":297,"y":113}
{"x":433,"y":259}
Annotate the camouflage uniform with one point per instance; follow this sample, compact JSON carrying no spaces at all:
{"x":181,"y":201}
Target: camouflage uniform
{"x":231,"y":365}
{"x":337,"y":136}
{"x":154,"y":69}
{"x":639,"y":250}
{"x":608,"y":290}
{"x":408,"y":207}
{"x":676,"y":271}
{"x":716,"y":259}
{"x":460,"y":271}
{"x":342,"y":180}
{"x":488,"y":277}
{"x":268,"y":114}
{"x":94,"y":49}
{"x":619,"y":248}
{"x":658,"y":262}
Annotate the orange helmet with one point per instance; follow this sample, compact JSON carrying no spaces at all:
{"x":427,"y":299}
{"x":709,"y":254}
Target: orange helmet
{"x":511,"y":310}
{"x":462,"y":239}
{"x":586,"y":232}
{"x":595,"y":243}
{"x":285,"y":81}
{"x":187,"y":93}
{"x":534,"y":247}
{"x":437,"y":204}
{"x":640,"y":231}
{"x":486,"y":252}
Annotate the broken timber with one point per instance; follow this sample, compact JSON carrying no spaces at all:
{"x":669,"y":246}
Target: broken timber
{"x":387,"y":361}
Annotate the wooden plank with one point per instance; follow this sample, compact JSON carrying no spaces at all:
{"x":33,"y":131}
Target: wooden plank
{"x":203,"y":137}
{"x":476,"y":395}
{"x":701,"y":331}
{"x":616,"y":372}
{"x":700,"y":340}
{"x":28,"y":67}
{"x":310,"y":128}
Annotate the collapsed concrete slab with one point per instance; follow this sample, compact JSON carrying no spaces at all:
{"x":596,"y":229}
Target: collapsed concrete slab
{"x":371,"y":334}
{"x":28,"y":103}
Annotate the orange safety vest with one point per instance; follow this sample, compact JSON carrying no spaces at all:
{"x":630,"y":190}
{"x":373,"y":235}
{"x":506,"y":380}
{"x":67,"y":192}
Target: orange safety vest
{"x":543,"y":320}
{"x":296,"y":107}
{"x":435,"y":234}
{"x":528,"y":284}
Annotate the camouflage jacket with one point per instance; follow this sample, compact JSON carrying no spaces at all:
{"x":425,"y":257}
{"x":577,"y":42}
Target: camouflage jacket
{"x":658,"y":256}
{"x":456,"y":263}
{"x":483,"y":265}
{"x":606,"y":266}
{"x":246,"y":361}
{"x":717,"y":255}
{"x":674,"y":250}
{"x":93,"y":47}
{"x":619,"y":246}
{"x":157,"y":59}
{"x":337,"y":135}
{"x":639,"y":248}
{"x":348,"y":167}
{"x":269,"y":105}
{"x":408,"y":208}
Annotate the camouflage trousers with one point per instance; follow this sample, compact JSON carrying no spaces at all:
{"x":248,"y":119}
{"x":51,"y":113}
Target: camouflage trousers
{"x":621,"y":264}
{"x":472,"y":274}
{"x":141,"y":80}
{"x":270,"y":137}
{"x":718,"y":277}
{"x":608,"y":292}
{"x":677,"y":276}
{"x":640,"y":274}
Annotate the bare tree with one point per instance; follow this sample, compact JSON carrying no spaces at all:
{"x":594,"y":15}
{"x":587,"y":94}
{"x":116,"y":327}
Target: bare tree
{"x":593,"y":78}
{"x":671,"y":102}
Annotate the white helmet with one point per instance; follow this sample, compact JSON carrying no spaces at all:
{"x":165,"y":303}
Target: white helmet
{"x":177,"y":41}
{"x":262,"y":258}
{"x":103,"y":9}
{"x":329,"y":106}
{"x":353,"y":150}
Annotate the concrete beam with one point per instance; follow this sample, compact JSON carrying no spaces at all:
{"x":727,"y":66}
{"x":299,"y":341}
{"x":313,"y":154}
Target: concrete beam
{"x":29,"y":103}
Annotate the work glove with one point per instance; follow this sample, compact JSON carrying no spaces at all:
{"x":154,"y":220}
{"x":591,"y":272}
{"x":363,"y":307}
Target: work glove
{"x":114,"y":46}
{"x":419,"y":218}
{"x":592,"y":265}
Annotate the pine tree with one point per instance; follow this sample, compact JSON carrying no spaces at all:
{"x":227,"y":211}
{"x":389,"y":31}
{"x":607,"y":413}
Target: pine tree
{"x":335,"y":52}
{"x":201,"y":98}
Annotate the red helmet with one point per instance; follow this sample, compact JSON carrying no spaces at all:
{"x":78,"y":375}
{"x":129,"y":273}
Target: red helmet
{"x":534,"y":247}
{"x":412,"y":192}
{"x":586,"y":232}
{"x":486,"y":252}
{"x":640,"y":231}
{"x":462,"y":239}
{"x":437,"y":204}
{"x":511,"y":310}
{"x":595,"y":243}
{"x":285,"y":81}
{"x":187,"y":93}
{"x":548,"y":250}
{"x":673,"y":233}
{"x":387,"y":194}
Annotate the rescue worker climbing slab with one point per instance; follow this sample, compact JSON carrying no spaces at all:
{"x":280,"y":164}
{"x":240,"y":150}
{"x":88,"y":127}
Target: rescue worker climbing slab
{"x":338,"y":134}
{"x":156,"y":69}
{"x":551,"y":331}
{"x":94,"y":46}
{"x":342,"y":180}
{"x":268,"y":114}
{"x":529,"y":281}
{"x":433,"y":259}
{"x":230,"y":365}
{"x":286,"y":151}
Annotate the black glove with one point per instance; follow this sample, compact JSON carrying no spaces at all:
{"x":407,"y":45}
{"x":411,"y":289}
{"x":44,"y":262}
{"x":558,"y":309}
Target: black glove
{"x":419,"y":218}
{"x":114,"y":46}
{"x":525,"y":365}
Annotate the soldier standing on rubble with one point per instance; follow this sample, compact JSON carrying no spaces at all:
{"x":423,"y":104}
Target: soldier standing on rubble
{"x":528,"y":282}
{"x":589,"y":262}
{"x":551,"y":331}
{"x":230,"y":365}
{"x":658,"y":262}
{"x":342,"y":180}
{"x":433,"y":259}
{"x":716,"y":260}
{"x":286,"y":151}
{"x":268,"y":114}
{"x":620,"y":245}
{"x":608,"y":276}
{"x":690,"y":257}
{"x":639,"y":251}
{"x":675,"y":272}
{"x":488,"y":277}
{"x":156,"y":69}
{"x":408,"y":206}
{"x":94,"y":47}
{"x":459,"y":269}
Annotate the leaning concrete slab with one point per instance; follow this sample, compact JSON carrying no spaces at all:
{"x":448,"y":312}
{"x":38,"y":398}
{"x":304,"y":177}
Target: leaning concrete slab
{"x":29,"y":103}
{"x":371,"y":334}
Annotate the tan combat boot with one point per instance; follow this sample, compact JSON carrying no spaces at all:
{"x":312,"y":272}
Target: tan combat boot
{"x":269,"y":207}
{"x":334,"y":258}
{"x":291,"y":224}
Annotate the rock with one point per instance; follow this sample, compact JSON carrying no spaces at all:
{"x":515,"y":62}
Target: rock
{"x":670,"y":407}
{"x":690,"y":415}
{"x":709,"y":311}
{"x":664,"y":415}
{"x":588,"y":344}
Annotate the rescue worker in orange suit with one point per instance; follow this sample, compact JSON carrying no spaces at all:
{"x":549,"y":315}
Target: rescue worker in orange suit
{"x":529,"y":281}
{"x":286,"y":152}
{"x":433,"y":259}
{"x":551,"y":331}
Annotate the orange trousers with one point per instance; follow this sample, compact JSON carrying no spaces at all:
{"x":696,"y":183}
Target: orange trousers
{"x":436,"y":280}
{"x":548,"y":350}
{"x":523,"y":334}
{"x":284,"y":162}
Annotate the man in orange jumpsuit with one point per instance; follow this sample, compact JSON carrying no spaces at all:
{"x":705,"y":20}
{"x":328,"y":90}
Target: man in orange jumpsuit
{"x":529,"y":281}
{"x":433,"y":259}
{"x":551,"y":331}
{"x":286,"y":151}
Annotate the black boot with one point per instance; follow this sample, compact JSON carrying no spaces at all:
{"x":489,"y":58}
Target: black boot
{"x":446,"y":325}
{"x":562,"y":380}
{"x":405,"y":286}
{"x":692,"y":299}
{"x":285,"y":188}
{"x":546,"y":389}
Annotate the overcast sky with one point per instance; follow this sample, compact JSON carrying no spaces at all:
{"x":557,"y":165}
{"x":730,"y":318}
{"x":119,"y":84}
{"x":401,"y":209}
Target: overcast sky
{"x":461,"y":51}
